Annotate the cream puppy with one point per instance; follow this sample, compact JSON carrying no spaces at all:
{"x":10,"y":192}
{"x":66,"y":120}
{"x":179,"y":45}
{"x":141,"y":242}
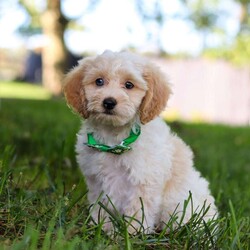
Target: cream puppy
{"x":125,"y":151}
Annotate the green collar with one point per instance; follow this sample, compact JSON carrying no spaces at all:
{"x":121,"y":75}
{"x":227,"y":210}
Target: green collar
{"x":116,"y":149}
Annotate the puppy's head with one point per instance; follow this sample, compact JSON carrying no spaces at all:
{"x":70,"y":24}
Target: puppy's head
{"x":114,"y":88}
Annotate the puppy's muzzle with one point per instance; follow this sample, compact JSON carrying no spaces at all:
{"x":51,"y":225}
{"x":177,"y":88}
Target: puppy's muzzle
{"x":109,"y":103}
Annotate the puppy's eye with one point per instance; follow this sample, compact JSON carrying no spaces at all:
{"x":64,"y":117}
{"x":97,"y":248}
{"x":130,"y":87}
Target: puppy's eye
{"x":99,"y":82}
{"x":129,"y":85}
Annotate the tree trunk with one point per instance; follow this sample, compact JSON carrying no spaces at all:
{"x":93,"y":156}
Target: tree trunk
{"x":54,"y":54}
{"x":244,"y":16}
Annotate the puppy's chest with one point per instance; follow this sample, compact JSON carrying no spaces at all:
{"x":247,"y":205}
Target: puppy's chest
{"x":113,"y":176}
{"x":105,"y":164}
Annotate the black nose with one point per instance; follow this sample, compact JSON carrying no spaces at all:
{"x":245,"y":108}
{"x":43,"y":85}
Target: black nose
{"x":109,"y":103}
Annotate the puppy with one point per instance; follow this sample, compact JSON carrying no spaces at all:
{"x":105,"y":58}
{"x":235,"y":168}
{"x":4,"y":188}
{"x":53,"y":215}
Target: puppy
{"x":126,"y":152}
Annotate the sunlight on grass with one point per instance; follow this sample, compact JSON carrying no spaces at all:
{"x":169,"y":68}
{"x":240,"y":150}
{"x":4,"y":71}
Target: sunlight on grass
{"x":23,"y":91}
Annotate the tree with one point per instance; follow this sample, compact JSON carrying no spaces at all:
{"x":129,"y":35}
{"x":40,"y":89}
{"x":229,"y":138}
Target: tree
{"x":53,"y":24}
{"x":245,"y":16}
{"x":238,"y":50}
{"x":201,"y":14}
{"x":153,"y":13}
{"x":54,"y":53}
{"x":204,"y":16}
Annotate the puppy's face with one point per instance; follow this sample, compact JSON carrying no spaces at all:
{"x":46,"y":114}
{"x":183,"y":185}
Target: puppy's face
{"x":114,"y":88}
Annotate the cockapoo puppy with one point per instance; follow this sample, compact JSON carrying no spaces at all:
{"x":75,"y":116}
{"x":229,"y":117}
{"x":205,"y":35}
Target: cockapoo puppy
{"x":126,"y":152}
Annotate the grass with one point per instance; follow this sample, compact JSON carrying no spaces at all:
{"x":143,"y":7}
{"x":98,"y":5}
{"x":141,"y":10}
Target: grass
{"x":43,"y":202}
{"x":23,"y":91}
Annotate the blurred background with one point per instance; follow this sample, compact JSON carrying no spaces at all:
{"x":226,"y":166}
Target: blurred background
{"x":203,"y":46}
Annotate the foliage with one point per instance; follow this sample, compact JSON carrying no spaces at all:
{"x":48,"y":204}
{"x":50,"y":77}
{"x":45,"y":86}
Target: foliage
{"x":238,"y":53}
{"x":244,"y":17}
{"x":152,"y":12}
{"x":204,"y":16}
{"x":43,"y":195}
{"x":48,"y":18}
{"x":238,"y":50}
{"x":208,"y":18}
{"x":35,"y":9}
{"x":33,"y":26}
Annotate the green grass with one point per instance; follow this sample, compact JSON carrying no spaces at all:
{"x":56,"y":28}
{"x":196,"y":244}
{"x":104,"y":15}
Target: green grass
{"x":23,"y":91}
{"x":43,"y":200}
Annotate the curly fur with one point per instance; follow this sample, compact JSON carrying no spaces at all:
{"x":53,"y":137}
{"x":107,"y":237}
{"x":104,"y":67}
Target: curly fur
{"x":159,"y":168}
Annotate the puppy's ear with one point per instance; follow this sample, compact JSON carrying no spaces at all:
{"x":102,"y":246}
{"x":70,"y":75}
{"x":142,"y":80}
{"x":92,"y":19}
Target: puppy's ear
{"x":74,"y":90}
{"x":157,"y":94}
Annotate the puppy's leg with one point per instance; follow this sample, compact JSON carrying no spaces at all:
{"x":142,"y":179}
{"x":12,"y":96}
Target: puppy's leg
{"x":197,"y":203}
{"x":185,"y":179}
{"x":96,"y":196}
{"x":143,"y":210}
{"x":101,"y":214}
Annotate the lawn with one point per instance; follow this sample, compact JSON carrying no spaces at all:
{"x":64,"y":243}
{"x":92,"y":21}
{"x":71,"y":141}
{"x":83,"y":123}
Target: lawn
{"x":23,"y":91}
{"x":43,"y":195}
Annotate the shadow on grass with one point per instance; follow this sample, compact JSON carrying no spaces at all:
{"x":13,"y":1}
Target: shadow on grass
{"x":41,"y":132}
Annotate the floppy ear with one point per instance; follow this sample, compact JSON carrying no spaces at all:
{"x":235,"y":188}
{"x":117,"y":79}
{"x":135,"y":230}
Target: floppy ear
{"x":157,"y":94}
{"x":74,"y":91}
